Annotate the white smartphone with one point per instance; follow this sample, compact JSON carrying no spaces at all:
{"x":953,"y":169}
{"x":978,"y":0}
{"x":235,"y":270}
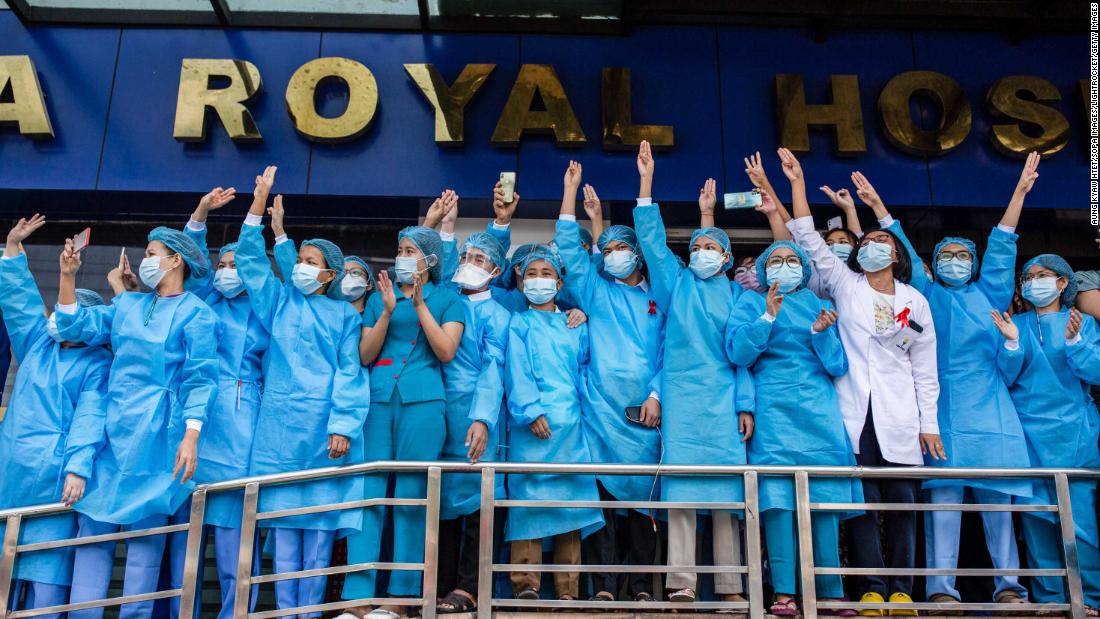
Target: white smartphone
{"x":82,"y":240}
{"x":508,"y":184}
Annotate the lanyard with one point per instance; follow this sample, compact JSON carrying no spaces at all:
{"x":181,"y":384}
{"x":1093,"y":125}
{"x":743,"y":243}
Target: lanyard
{"x":149,"y":312}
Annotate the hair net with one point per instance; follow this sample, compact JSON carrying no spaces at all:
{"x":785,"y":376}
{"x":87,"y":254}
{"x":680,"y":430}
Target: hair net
{"x":334,"y":258}
{"x":542,"y":254}
{"x":967,"y":243}
{"x":228,"y":247}
{"x":1059,"y":265}
{"x":586,"y":236}
{"x":187,"y":249}
{"x":429,"y":244}
{"x":718,"y":236}
{"x":488,"y":246}
{"x":366,"y":267}
{"x":508,"y":279}
{"x":88,"y":298}
{"x":762,"y":259}
{"x":623,"y":234}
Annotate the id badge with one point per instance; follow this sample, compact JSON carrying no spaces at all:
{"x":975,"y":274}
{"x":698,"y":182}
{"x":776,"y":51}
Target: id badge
{"x":906,"y":336}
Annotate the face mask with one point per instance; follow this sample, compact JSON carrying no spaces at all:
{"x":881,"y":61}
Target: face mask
{"x":788,"y":277}
{"x":1041,"y":291}
{"x":228,"y":282}
{"x":539,"y":290}
{"x":620,"y":263}
{"x":351,"y":288}
{"x":51,"y":328}
{"x":954,"y":272}
{"x":304,"y":278}
{"x":471,"y":277}
{"x":875,"y":256}
{"x":747,"y":279}
{"x":405,"y":268}
{"x":705,"y":262}
{"x":841,"y":250}
{"x":150,"y":272}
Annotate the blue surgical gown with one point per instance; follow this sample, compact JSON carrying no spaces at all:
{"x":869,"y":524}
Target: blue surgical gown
{"x":978,"y":421}
{"x":702,"y":392}
{"x":626,"y":330}
{"x":798,"y":419}
{"x":543,"y":375}
{"x":165,"y":372}
{"x":57,"y":392}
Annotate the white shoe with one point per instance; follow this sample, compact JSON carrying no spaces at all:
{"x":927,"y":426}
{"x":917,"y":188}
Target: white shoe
{"x":347,"y":616}
{"x":378,"y":613}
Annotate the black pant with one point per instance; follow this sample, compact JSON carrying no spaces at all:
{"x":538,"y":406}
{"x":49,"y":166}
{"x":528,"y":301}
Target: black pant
{"x":624,"y":540}
{"x":864,"y":543}
{"x":458,"y":554}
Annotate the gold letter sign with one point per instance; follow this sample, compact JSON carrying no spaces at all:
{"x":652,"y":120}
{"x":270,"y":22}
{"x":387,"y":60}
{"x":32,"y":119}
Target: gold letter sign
{"x":558,"y":117}
{"x":1005,"y":102}
{"x":843,"y":114}
{"x":362,"y":100}
{"x":897,"y":120}
{"x":228,"y":102}
{"x":27,"y":107}
{"x":449,"y":101}
{"x":619,"y":133}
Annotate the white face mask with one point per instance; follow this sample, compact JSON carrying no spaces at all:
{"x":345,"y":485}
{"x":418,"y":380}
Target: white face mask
{"x":304,"y":278}
{"x":228,"y":282}
{"x":472,"y":277}
{"x":150,"y":272}
{"x":51,"y":328}
{"x":352,"y":288}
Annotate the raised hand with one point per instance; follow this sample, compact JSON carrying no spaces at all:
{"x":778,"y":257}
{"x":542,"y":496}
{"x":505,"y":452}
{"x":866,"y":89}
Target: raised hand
{"x":865,"y":190}
{"x":1073,"y":325}
{"x":767,"y":205}
{"x":418,"y":293}
{"x":121,"y":277}
{"x":70,"y":259}
{"x":440,"y":208}
{"x":264,"y":183}
{"x":385,"y":288}
{"x":774,"y":301}
{"x":841,"y":198}
{"x":825,"y":319}
{"x":792,"y":169}
{"x":277,"y":213}
{"x":451,"y":216}
{"x":592,"y":203}
{"x":645,"y":160}
{"x":504,"y":210}
{"x":1029,"y":173}
{"x":1004,"y":324}
{"x":572,"y":179}
{"x":708,"y":197}
{"x":755,"y":169}
{"x":24,"y":228}
{"x":217,"y":198}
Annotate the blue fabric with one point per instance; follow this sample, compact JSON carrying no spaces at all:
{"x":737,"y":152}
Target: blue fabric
{"x":544,"y":370}
{"x":88,"y":298}
{"x":762,"y":259}
{"x":297,"y":550}
{"x":507,"y":280}
{"x":5,"y":352}
{"x":313,"y":387}
{"x":539,"y":255}
{"x":39,"y":595}
{"x":792,"y":366}
{"x":782,"y":545}
{"x":1059,"y":265}
{"x":228,"y":247}
{"x":697,"y":311}
{"x":182,"y":244}
{"x":978,"y":421}
{"x":626,"y":331}
{"x":717,"y":235}
{"x":489,"y":245}
{"x":165,"y":371}
{"x":428,"y":242}
{"x":335,"y":260}
{"x":623,"y":234}
{"x":58,"y":391}
{"x":1043,"y":540}
{"x":947,"y":240}
{"x":366,"y":268}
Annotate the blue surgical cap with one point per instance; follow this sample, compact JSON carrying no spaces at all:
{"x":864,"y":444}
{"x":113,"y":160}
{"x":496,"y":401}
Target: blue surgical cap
{"x":586,"y":236}
{"x":718,"y":236}
{"x":762,"y":259}
{"x":542,"y":254}
{"x":623,"y":234}
{"x":184,"y":246}
{"x":334,"y":258}
{"x":1059,"y":265}
{"x":508,"y":279}
{"x":488,"y":246}
{"x":429,"y":244}
{"x":366,"y":268}
{"x":88,"y":298}
{"x":967,"y":243}
{"x":228,"y":247}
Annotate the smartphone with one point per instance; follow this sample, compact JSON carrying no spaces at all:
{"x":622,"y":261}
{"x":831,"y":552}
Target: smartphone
{"x":634,"y":413}
{"x":82,"y":240}
{"x":508,"y":184}
{"x":834,"y":223}
{"x":742,"y":199}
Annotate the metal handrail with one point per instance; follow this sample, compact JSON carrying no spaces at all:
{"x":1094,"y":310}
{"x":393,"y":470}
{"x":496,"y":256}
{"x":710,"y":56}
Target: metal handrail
{"x":486,"y":568}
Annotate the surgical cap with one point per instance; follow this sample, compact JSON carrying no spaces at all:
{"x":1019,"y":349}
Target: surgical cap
{"x":542,"y":254}
{"x":718,"y":236}
{"x":508,"y":278}
{"x":88,"y":298}
{"x":623,"y":234}
{"x":366,"y":267}
{"x":967,"y":243}
{"x":488,"y":246}
{"x":228,"y":247}
{"x":586,"y":236}
{"x":1059,"y":265}
{"x":187,"y":249}
{"x":762,"y":259}
{"x":334,"y":258}
{"x":429,"y":244}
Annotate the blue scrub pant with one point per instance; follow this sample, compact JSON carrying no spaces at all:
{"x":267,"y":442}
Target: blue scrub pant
{"x":782,"y":538}
{"x":227,"y":543}
{"x":941,"y":540}
{"x":1044,"y":551}
{"x":396,"y":431}
{"x":38,"y":595}
{"x":296,"y":550}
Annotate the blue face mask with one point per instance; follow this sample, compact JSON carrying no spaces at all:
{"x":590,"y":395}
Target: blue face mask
{"x":954,"y":272}
{"x":705,"y":262}
{"x":304,"y":278}
{"x":875,"y":256}
{"x":405,"y":269}
{"x":1041,"y":291}
{"x":788,"y":277}
{"x":539,"y":290}
{"x":228,"y":282}
{"x":841,"y":250}
{"x":620,"y":263}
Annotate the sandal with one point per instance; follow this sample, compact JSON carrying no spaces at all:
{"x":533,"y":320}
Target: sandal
{"x":455,"y":602}
{"x":1092,"y":611}
{"x":602,"y":596}
{"x":837,"y":612}
{"x":643,"y":597}
{"x":786,"y":608}
{"x":530,"y":593}
{"x":683,"y":596}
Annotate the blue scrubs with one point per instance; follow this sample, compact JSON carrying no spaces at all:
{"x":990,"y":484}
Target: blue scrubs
{"x":314,"y":387}
{"x":57,"y":392}
{"x":1048,"y":379}
{"x":406,"y":422}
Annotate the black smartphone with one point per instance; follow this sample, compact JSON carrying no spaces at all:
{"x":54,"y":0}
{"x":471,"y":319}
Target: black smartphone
{"x":634,"y":413}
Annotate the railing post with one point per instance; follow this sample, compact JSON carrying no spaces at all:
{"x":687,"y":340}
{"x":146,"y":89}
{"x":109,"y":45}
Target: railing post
{"x":752,"y":547}
{"x":431,"y":543}
{"x":192,"y":562}
{"x":1069,"y":546}
{"x":805,"y":544}
{"x":246,"y":550}
{"x":485,"y":545}
{"x":7,"y":560}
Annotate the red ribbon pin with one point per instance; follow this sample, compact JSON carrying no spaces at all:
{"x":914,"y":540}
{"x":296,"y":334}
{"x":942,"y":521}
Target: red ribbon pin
{"x":652,"y":308}
{"x":903,"y":317}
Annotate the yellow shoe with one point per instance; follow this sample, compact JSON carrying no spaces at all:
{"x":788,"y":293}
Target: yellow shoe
{"x":902,"y":598}
{"x":871,"y":598}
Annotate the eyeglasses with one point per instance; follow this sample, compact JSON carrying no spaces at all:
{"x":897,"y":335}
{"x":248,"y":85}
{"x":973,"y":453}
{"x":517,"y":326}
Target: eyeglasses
{"x":357,"y":273}
{"x":962,"y":254}
{"x":744,"y":269}
{"x":882,"y":238}
{"x":791,"y":261}
{"x":1027,"y":277}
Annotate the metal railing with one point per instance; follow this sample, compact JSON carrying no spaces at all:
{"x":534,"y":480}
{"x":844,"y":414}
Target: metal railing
{"x":487,"y":568}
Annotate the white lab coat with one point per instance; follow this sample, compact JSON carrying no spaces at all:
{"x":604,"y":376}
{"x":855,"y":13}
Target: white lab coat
{"x":902,"y":385}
